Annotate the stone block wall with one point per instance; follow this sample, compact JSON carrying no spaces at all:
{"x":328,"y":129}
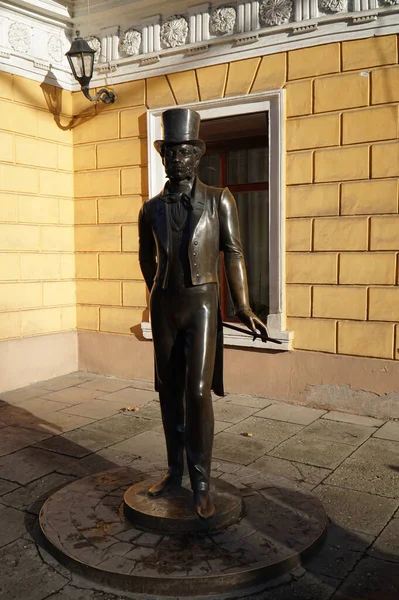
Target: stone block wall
{"x":342,"y":198}
{"x":341,"y":191}
{"x":37,"y":264}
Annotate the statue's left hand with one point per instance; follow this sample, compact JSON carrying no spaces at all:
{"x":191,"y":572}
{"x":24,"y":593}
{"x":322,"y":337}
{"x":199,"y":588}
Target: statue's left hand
{"x":253,"y":323}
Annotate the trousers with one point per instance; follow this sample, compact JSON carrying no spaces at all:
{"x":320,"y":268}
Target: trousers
{"x":184,"y":328}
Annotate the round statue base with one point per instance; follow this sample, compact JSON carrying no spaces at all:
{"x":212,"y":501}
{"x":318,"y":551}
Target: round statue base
{"x":85,"y":528}
{"x":173,"y":511}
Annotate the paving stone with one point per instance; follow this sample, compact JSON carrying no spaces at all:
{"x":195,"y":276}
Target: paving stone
{"x":105,"y":384}
{"x":81,"y":467}
{"x":231,"y":413}
{"x":142,"y":385}
{"x":251,"y":401}
{"x":60,"y":422}
{"x":291,"y":413}
{"x":73,"y":395}
{"x":128,"y":536}
{"x":93,"y":409}
{"x":64,"y":382}
{"x":7,"y":486}
{"x":149,"y":444}
{"x":320,"y":453}
{"x":266,"y":429}
{"x":150,"y":540}
{"x":63,"y":445}
{"x":15,"y":438}
{"x":15,"y":415}
{"x":121,"y":426}
{"x":221,"y":426}
{"x":36,"y":407}
{"x":29,"y":464}
{"x":72,"y":593}
{"x":371,"y":579}
{"x":243,"y":450}
{"x":357,"y":511}
{"x":24,"y":576}
{"x":33,"y":495}
{"x":303,"y":474}
{"x":335,"y":415}
{"x":21,"y":394}
{"x":13,"y":526}
{"x":121,"y":564}
{"x":386,"y":546}
{"x":371,"y":468}
{"x":225,"y":467}
{"x":389,"y":431}
{"x":152,"y":410}
{"x":118,"y":457}
{"x":345,"y":433}
{"x":340,"y":552}
{"x":91,"y":440}
{"x":308,"y":587}
{"x":130,"y":397}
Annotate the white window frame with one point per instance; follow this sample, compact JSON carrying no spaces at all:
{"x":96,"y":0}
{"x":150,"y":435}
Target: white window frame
{"x":273,"y":103}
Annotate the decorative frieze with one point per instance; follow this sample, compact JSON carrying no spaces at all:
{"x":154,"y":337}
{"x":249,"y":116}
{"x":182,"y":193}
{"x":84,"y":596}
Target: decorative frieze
{"x":95,"y":44}
{"x":174,"y":32}
{"x":333,"y":5}
{"x":20,"y":37}
{"x":131,"y":42}
{"x":274,"y":12}
{"x":223,"y":20}
{"x":247,"y":16}
{"x":55,"y":48}
{"x":151,"y":35}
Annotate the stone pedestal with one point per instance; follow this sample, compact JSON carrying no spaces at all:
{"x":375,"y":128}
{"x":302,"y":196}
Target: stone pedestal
{"x":173,"y":512}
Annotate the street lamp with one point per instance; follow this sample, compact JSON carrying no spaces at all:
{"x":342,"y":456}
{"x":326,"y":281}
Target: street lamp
{"x":81,"y":60}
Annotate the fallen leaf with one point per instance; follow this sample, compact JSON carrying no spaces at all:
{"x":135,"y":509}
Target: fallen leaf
{"x":129,"y":409}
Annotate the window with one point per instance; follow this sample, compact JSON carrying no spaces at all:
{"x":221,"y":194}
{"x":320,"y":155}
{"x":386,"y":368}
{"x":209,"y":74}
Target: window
{"x":239,"y":136}
{"x":237,"y":158}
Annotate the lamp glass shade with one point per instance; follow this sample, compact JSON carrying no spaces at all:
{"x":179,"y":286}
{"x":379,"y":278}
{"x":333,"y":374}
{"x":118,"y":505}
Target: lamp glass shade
{"x":81,"y":60}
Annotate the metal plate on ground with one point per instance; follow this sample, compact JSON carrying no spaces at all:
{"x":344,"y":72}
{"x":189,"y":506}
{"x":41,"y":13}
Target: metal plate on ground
{"x":85,"y":528}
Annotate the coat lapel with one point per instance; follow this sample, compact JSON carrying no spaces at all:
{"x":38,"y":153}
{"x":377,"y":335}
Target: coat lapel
{"x":199,"y":199}
{"x":161,"y":224}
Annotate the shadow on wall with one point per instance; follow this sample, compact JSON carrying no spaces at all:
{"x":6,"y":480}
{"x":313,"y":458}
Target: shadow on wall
{"x":53,"y":99}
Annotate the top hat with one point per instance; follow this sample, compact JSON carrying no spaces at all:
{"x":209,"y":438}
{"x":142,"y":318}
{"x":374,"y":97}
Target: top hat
{"x":180,"y":126}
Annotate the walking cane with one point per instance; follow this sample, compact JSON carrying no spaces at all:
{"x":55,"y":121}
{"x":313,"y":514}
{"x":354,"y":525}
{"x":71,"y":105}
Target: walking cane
{"x":254,"y":335}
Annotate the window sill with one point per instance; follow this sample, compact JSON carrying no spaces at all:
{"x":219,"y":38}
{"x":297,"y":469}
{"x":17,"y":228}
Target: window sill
{"x":241,"y":340}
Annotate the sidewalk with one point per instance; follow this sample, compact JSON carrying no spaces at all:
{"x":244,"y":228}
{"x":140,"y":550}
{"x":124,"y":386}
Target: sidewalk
{"x":55,"y":431}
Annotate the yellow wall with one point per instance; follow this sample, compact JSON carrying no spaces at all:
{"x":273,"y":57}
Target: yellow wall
{"x":37,"y":271}
{"x":342,"y":191}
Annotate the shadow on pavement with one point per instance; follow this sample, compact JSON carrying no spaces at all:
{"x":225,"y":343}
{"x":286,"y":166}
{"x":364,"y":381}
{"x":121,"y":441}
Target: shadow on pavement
{"x":36,"y":460}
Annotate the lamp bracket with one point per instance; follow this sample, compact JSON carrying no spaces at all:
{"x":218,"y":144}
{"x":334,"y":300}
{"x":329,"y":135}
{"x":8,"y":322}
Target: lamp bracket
{"x":103,"y":95}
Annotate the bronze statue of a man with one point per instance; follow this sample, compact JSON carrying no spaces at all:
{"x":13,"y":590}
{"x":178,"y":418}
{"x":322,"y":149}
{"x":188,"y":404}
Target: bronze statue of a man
{"x":182,"y":231}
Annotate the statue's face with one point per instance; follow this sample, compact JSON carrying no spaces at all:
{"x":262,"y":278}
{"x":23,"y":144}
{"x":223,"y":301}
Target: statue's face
{"x":181,"y":161}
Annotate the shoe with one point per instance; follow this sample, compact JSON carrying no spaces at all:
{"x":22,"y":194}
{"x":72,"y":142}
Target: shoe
{"x":203,"y":505}
{"x":170,"y":480}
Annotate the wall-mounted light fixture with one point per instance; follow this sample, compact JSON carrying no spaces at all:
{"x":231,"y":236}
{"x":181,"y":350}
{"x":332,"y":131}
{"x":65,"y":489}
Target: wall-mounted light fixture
{"x":81,"y":59}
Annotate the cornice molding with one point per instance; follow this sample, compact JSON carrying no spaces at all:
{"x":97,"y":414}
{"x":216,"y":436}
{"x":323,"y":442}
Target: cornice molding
{"x":145,"y":39}
{"x":33,"y":44}
{"x":61,"y":11}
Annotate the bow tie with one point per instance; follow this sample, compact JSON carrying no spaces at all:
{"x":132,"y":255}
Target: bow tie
{"x":174,"y":198}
